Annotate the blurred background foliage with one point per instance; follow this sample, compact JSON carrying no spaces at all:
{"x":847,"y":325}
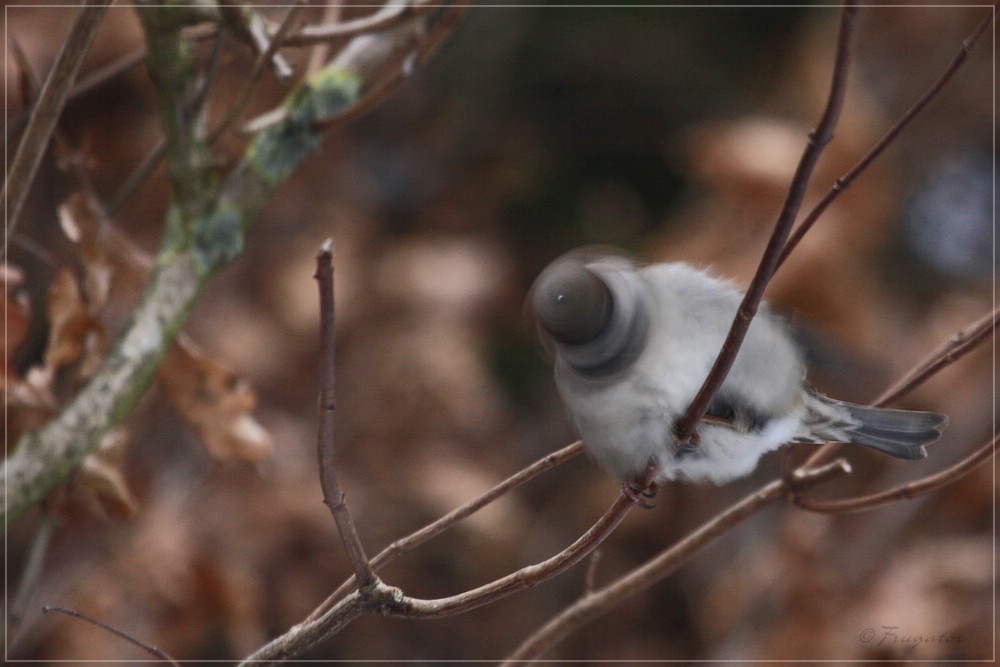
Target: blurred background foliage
{"x":671,"y":132}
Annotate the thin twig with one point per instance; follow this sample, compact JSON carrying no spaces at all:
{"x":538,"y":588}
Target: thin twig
{"x":257,"y":72}
{"x":389,"y":601}
{"x":31,"y":572}
{"x":376,"y":22}
{"x":410,"y":48}
{"x":249,"y":27}
{"x":947,"y":353}
{"x":818,"y":140}
{"x":845,"y":181}
{"x":909,"y":490}
{"x":45,"y":115}
{"x":320,"y":53}
{"x":87,"y":83}
{"x":135,"y":179}
{"x":333,"y":496}
{"x":406,"y":544}
{"x":148,"y":648}
{"x":603,"y":600}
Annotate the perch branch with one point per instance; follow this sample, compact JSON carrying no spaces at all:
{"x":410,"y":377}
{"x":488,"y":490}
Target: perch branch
{"x":948,"y":353}
{"x":601,"y":601}
{"x":390,"y":601}
{"x":406,"y":544}
{"x":845,"y":181}
{"x":45,"y":115}
{"x":818,"y":139}
{"x":909,"y":490}
{"x":333,"y":496}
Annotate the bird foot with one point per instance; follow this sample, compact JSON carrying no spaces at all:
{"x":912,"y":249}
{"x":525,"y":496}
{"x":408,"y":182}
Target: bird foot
{"x":637,"y":493}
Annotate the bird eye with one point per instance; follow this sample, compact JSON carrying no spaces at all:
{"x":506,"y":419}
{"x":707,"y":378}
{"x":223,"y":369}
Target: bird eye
{"x":572,"y":304}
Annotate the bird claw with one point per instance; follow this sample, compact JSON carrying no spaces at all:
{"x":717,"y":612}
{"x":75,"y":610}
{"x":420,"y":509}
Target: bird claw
{"x":688,"y":446}
{"x":636,"y":493}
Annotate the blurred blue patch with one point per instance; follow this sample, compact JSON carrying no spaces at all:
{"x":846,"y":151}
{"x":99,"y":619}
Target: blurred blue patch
{"x":949,"y":220}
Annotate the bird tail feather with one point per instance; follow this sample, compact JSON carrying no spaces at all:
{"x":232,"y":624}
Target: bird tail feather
{"x":899,"y":433}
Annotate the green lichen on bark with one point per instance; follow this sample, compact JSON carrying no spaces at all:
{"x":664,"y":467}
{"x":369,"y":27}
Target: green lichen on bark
{"x":280,"y":149}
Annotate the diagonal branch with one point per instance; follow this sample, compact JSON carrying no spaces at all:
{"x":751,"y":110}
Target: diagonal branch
{"x":948,"y":353}
{"x":45,"y":115}
{"x":378,"y":21}
{"x":390,"y":601}
{"x":908,"y":490}
{"x":601,"y":601}
{"x":206,"y":228}
{"x":333,"y":496}
{"x":845,"y":181}
{"x":406,"y":544}
{"x":818,"y":139}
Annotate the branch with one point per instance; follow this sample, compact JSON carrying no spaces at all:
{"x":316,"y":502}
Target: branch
{"x":46,"y":113}
{"x":406,"y":544}
{"x":948,"y":353}
{"x":333,"y":496}
{"x":601,"y":601}
{"x":206,"y":227}
{"x":390,"y":601}
{"x":818,"y":140}
{"x":845,"y":181}
{"x":909,"y":490}
{"x":148,"y":648}
{"x":379,"y":21}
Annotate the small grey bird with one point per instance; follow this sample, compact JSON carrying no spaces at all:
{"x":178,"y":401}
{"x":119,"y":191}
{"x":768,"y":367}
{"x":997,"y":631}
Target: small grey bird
{"x":633,"y":346}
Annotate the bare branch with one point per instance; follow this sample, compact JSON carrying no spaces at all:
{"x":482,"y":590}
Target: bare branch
{"x":333,"y":496}
{"x":818,"y":140}
{"x":397,"y":53}
{"x":845,"y":181}
{"x":46,"y":113}
{"x":601,"y":601}
{"x":909,"y":490}
{"x":406,"y":544}
{"x":389,"y":601}
{"x":152,"y":650}
{"x":208,"y":223}
{"x":379,"y":21}
{"x":948,"y":353}
{"x":248,"y":26}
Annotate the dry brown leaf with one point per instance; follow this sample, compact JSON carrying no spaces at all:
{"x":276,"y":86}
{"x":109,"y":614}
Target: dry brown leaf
{"x":17,"y":314}
{"x":72,"y":330}
{"x":216,"y":403}
{"x":102,"y":473}
{"x":82,"y":223}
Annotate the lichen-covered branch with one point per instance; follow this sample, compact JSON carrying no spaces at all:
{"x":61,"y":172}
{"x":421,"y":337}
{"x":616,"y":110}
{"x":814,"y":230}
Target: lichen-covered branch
{"x":205,"y":230}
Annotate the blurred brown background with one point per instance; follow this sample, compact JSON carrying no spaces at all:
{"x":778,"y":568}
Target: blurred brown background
{"x":670,"y":132}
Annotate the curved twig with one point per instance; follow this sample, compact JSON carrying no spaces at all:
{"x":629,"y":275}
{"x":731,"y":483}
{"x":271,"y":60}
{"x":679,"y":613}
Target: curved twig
{"x":45,"y":115}
{"x":818,"y":139}
{"x":376,"y":22}
{"x":333,"y":496}
{"x":148,"y":648}
{"x":845,"y":181}
{"x":948,"y":353}
{"x":390,"y":601}
{"x":406,"y":544}
{"x":909,"y":490}
{"x":601,"y":601}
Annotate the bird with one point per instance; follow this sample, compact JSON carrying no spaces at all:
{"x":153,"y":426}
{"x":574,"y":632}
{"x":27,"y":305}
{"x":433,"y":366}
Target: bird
{"x":632,"y":345}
